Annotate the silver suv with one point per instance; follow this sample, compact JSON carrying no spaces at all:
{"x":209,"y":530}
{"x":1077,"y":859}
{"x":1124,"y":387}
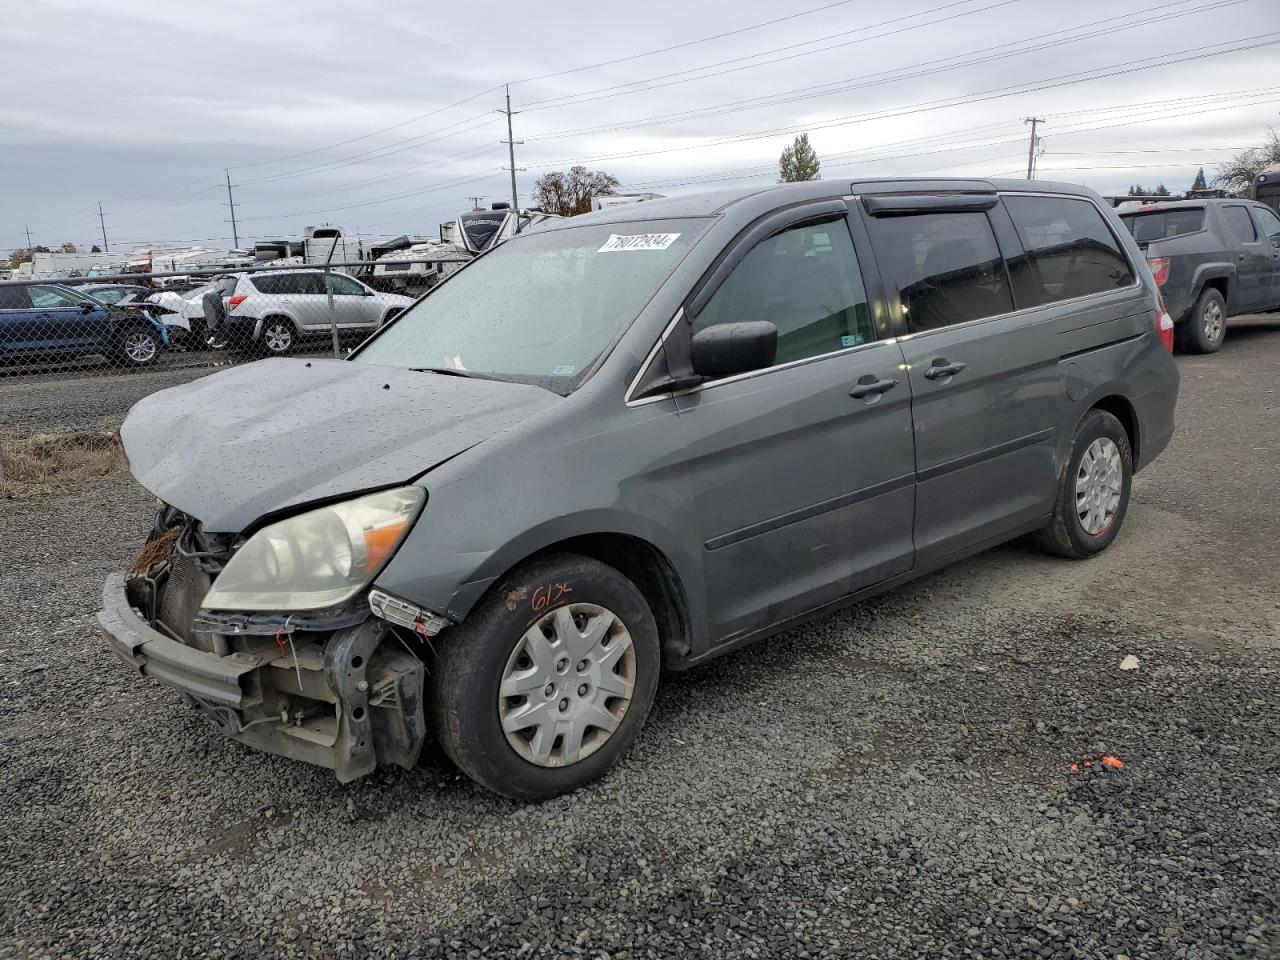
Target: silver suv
{"x":274,"y":309}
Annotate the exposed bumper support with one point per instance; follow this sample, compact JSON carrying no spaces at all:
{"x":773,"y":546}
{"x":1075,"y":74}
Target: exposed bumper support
{"x":343,"y":699}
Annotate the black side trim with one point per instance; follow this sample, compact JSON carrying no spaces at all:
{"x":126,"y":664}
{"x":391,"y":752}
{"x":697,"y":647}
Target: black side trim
{"x":806,"y":513}
{"x":1102,"y":346}
{"x":902,"y":206}
{"x":1017,"y":443}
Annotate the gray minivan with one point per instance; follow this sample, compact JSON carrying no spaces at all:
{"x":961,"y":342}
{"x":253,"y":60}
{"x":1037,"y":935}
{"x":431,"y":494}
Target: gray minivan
{"x":632,"y":440}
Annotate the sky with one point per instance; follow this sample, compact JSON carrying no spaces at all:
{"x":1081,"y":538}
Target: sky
{"x":383,"y":118}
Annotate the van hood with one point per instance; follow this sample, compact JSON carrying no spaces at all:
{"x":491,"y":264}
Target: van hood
{"x":232,"y":447}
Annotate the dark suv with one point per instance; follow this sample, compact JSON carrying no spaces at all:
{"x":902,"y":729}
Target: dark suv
{"x":50,"y":321}
{"x":1212,"y":259}
{"x":640,"y":437}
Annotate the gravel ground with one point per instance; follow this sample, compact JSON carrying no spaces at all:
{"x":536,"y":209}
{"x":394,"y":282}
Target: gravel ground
{"x":891,"y":781}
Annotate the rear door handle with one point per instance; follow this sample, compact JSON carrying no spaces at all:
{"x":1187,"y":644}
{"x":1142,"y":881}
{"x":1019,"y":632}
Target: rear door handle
{"x":870,"y":385}
{"x":941,"y":369}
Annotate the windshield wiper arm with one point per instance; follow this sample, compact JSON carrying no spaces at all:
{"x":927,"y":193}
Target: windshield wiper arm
{"x":448,"y":371}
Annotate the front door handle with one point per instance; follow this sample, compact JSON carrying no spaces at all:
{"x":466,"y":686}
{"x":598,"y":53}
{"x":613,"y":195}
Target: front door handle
{"x":941,"y":369}
{"x":870,"y":385}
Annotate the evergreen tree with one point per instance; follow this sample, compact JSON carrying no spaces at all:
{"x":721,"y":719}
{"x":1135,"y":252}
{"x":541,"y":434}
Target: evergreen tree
{"x":1200,"y":183}
{"x":798,"y":162}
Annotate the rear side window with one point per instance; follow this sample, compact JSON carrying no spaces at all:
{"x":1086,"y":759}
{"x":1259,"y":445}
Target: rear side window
{"x":1240,"y":224}
{"x":806,"y":282}
{"x":1069,"y":251}
{"x":1163,"y":224}
{"x":308,"y":283}
{"x":267,"y":284}
{"x":947,"y":267}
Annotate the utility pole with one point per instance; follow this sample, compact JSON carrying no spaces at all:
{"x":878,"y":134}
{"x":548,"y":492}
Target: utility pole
{"x":475,"y":202}
{"x":102,"y":221}
{"x":511,"y":142}
{"x":1031,"y":149}
{"x":235,"y":235}
{"x":28,"y":229}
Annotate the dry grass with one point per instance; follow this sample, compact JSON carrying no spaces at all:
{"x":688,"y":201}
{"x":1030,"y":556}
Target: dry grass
{"x":56,"y":461}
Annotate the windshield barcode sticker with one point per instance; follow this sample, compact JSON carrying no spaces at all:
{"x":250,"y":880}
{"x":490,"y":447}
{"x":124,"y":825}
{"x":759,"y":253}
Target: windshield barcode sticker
{"x":639,"y":241}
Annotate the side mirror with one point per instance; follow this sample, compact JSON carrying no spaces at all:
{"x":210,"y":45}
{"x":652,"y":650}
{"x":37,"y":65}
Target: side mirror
{"x":724,"y":349}
{"x":87,"y":307}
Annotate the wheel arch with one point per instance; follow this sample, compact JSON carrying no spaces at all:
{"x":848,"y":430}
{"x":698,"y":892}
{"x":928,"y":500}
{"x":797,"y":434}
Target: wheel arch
{"x":1123,"y":410}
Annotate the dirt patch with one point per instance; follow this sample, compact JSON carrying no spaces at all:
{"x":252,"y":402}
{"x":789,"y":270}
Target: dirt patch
{"x":56,"y":461}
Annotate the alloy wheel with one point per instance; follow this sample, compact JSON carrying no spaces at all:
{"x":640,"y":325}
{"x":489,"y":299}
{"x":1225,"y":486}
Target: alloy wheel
{"x":140,"y":347}
{"x":567,"y":685}
{"x":278,"y":337}
{"x":1213,"y":321}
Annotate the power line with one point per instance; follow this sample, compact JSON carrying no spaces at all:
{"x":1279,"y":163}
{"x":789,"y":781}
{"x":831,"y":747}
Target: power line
{"x":1038,"y":43}
{"x":607,"y":92}
{"x":720,"y":36}
{"x":995,"y":93}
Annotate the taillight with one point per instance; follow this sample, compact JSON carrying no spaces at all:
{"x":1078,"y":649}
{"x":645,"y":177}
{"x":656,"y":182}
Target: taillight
{"x":1164,"y":324}
{"x":239,"y":298}
{"x":1159,"y":269}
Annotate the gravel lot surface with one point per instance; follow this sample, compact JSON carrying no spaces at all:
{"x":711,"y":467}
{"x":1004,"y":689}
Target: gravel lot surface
{"x":890,"y":781}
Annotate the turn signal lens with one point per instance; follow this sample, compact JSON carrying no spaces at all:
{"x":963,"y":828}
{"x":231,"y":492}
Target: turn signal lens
{"x":235,"y":301}
{"x":1164,"y":325}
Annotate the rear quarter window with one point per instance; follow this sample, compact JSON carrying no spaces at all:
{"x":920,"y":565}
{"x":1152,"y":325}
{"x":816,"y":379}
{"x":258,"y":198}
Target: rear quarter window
{"x":1068,"y":251}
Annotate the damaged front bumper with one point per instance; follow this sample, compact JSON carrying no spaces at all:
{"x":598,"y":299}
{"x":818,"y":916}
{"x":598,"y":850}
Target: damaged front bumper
{"x":347,"y":699}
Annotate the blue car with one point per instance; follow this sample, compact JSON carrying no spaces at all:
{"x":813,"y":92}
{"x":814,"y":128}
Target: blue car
{"x":51,"y":321}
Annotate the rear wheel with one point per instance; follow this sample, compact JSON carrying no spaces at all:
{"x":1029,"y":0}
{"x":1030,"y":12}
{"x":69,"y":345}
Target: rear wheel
{"x":1093,"y":493}
{"x":549,"y":680}
{"x":1206,"y":327}
{"x":138,"y":346}
{"x":278,"y":336}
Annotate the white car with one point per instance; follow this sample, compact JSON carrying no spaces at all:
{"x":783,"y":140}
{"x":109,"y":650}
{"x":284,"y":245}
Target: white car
{"x":274,"y":309}
{"x":184,"y":312}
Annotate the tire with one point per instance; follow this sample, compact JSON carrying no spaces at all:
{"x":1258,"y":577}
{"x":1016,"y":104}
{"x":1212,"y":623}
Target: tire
{"x":1099,"y":438}
{"x":557,"y":696}
{"x":137,"y":346}
{"x":1206,"y":326}
{"x":279,"y":336}
{"x":198,"y":337}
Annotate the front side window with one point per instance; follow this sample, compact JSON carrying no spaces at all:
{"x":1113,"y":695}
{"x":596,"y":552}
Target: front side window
{"x":947,"y":267}
{"x":1240,"y":224}
{"x":541,"y":307}
{"x":1069,"y":251}
{"x":345,"y":286}
{"x":1269,"y":223}
{"x":50,"y":298}
{"x":806,"y":282}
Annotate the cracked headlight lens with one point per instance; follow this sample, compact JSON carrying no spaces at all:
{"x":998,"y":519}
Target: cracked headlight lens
{"x":317,"y":559}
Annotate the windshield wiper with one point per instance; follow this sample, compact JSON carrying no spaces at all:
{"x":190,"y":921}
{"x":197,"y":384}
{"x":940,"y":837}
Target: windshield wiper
{"x":448,"y":371}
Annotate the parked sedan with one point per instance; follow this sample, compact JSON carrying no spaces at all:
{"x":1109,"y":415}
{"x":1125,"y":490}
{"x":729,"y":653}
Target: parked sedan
{"x":273,"y":310}
{"x":633,"y":439}
{"x":48,"y":321}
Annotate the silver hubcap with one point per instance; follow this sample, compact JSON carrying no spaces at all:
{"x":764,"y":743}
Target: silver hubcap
{"x":139,"y":347}
{"x":278,"y":337}
{"x":1098,"y":486}
{"x":1212,"y":321}
{"x":567,"y":685}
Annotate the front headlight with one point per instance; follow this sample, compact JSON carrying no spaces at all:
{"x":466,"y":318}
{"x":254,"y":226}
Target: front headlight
{"x":317,"y":559}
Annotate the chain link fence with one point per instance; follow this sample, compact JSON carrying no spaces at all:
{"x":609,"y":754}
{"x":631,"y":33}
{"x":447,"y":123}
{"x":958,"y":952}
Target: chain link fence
{"x":106,"y":325}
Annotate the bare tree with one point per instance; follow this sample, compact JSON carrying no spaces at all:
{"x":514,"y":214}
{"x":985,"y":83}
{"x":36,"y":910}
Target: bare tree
{"x":569,"y":194}
{"x":68,"y":247}
{"x":18,"y":257}
{"x":1238,"y":174}
{"x":799,"y":162}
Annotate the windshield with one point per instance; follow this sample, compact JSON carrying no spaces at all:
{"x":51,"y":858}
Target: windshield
{"x":1163,"y":224}
{"x":539,"y":308}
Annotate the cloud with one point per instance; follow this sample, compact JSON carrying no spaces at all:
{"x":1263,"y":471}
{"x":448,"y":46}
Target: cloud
{"x":143,"y":104}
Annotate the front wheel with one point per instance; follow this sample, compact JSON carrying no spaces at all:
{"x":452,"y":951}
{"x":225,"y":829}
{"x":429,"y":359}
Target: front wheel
{"x":139,"y":347}
{"x":1206,"y":327}
{"x":549,"y":680}
{"x":1093,"y":493}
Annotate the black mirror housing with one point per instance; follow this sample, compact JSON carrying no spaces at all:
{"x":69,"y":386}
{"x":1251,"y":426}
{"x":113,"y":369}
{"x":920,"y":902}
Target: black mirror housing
{"x":724,"y":349}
